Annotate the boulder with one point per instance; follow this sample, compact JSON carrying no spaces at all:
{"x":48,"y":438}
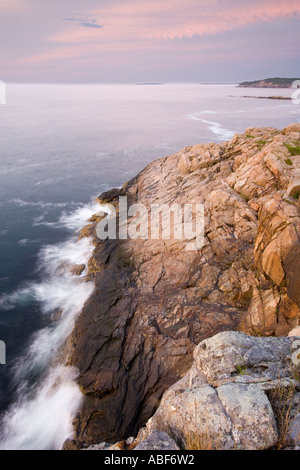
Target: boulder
{"x":225,"y":397}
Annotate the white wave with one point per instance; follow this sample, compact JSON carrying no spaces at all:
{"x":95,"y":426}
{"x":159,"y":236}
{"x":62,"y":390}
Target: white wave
{"x":19,"y":168}
{"x":201,"y":113}
{"x":79,"y":217}
{"x":50,"y":181}
{"x":215,"y":128}
{"x":71,"y":252}
{"x":26,"y":241}
{"x":43,"y":204}
{"x":66,"y":295}
{"x":43,"y":419}
{"x":44,"y":422}
{"x":19,"y":297}
{"x":240,"y":111}
{"x":71,"y":221}
{"x":38,"y":220}
{"x":60,"y":291}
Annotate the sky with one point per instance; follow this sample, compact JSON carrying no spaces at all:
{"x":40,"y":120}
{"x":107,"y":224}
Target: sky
{"x":129,"y":41}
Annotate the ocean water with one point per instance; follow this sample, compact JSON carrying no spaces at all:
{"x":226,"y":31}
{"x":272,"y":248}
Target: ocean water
{"x":60,"y":147}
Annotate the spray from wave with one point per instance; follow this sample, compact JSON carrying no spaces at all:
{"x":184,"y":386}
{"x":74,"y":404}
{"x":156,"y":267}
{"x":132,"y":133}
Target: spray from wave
{"x":48,"y":397}
{"x":70,"y":221}
{"x":44,"y":421}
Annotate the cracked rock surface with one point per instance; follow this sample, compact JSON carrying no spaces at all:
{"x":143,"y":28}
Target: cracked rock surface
{"x":154,"y":301}
{"x":225,"y":397}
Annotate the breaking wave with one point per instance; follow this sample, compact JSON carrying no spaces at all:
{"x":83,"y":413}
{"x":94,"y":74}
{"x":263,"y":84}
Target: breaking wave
{"x":47,"y":398}
{"x":215,"y":127}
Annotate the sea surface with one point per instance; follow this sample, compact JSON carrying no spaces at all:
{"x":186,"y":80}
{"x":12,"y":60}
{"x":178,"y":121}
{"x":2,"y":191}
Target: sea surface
{"x":60,"y":147}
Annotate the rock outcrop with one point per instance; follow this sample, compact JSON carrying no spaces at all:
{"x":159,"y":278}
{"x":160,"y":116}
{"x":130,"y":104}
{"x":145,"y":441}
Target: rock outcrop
{"x":154,"y":301}
{"x":241,"y":393}
{"x":270,"y":83}
{"x":226,"y":396}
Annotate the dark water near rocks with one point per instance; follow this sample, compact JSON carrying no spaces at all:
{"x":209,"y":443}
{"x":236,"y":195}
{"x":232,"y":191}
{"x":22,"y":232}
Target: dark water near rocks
{"x":61,"y":146}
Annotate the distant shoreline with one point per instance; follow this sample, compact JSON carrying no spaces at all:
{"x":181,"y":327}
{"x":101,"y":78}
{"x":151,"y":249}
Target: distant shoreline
{"x":264,"y":97}
{"x":149,"y":83}
{"x":270,"y":83}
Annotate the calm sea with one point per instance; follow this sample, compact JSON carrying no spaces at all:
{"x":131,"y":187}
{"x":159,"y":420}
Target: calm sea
{"x":60,"y":147}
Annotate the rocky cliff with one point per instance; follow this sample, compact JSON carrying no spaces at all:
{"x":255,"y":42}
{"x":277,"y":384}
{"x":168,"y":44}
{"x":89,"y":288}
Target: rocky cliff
{"x":154,"y":301}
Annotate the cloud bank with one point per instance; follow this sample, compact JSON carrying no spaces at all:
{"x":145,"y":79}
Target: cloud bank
{"x":153,"y":39}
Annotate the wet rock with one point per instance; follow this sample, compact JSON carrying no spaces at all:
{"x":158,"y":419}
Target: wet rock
{"x":77,"y":269}
{"x":72,"y":444}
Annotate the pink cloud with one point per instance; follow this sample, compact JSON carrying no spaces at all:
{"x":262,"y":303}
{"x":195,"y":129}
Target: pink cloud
{"x":58,"y":53}
{"x":177,"y":19}
{"x":135,"y":29}
{"x":9,"y":4}
{"x":190,"y":19}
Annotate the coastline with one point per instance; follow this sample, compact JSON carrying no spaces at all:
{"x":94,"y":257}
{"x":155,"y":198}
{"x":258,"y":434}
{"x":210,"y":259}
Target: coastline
{"x":276,"y":82}
{"x":153,"y":302}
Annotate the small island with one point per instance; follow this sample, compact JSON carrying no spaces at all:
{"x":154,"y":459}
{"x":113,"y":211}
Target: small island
{"x":270,"y":83}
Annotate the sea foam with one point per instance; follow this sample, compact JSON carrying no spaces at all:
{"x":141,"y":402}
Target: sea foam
{"x":47,"y":398}
{"x":214,"y":127}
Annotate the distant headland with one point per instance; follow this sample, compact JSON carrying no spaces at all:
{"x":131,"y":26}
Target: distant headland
{"x":270,"y":83}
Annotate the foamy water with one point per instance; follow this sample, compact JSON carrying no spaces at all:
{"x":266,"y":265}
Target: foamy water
{"x":215,"y":127}
{"x":44,"y":421}
{"x":42,"y":204}
{"x":41,"y":417}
